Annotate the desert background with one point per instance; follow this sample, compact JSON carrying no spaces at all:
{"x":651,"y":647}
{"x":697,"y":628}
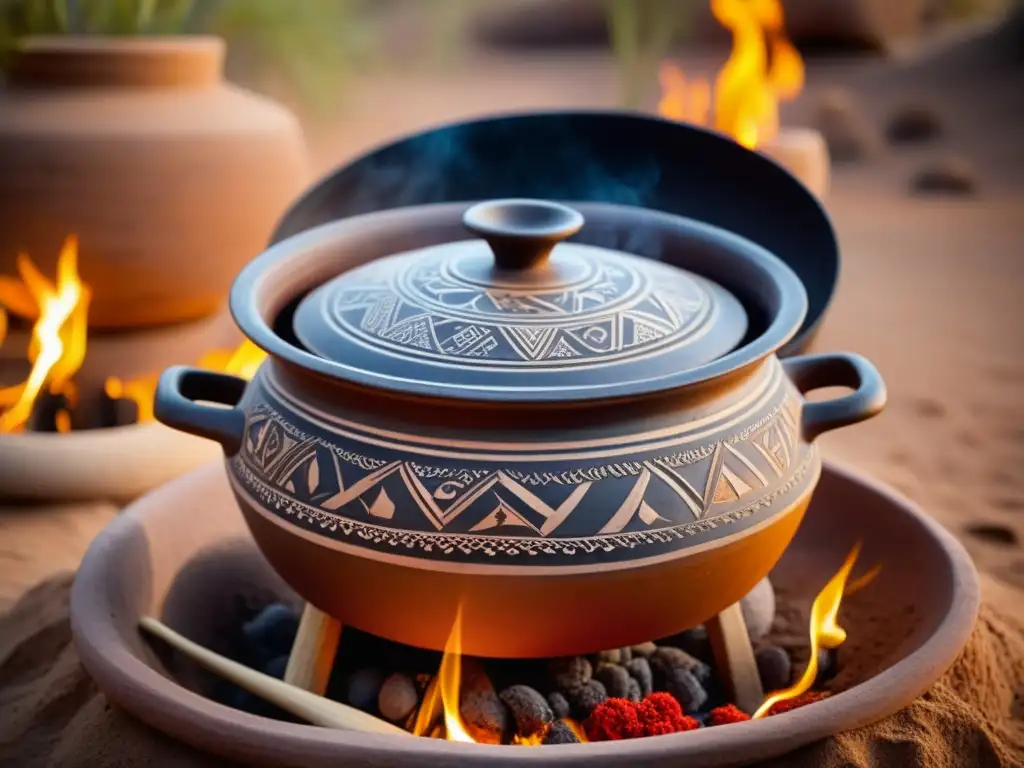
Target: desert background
{"x":930,"y":286}
{"x":921,"y":103}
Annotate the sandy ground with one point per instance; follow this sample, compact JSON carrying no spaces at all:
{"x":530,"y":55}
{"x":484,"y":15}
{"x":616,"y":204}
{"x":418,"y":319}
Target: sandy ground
{"x":930,"y":287}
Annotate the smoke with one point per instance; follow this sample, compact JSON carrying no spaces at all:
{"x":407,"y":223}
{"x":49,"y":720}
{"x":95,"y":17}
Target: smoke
{"x":496,"y":158}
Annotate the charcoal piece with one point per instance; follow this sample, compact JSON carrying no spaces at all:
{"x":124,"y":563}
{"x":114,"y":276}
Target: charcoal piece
{"x":640,"y":670}
{"x":397,"y":697}
{"x":614,"y":678}
{"x":363,"y":687}
{"x":560,"y":733}
{"x":718,"y":696}
{"x":826,"y":667}
{"x":613,"y":656}
{"x":570,"y":672}
{"x":774,"y":666}
{"x":758,"y":607}
{"x":686,"y":689}
{"x":667,"y":658}
{"x":633,"y":692}
{"x":116,"y":411}
{"x":270,"y":633}
{"x":276,"y":667}
{"x":559,"y":706}
{"x":584,"y":699}
{"x":827,"y":664}
{"x":529,"y":708}
{"x":694,"y":641}
{"x":702,"y":718}
{"x":46,"y":412}
{"x":643,"y":649}
{"x":485,"y":717}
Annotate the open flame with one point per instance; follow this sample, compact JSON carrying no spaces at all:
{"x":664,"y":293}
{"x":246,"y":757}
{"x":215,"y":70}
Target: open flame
{"x":442,"y":695}
{"x":442,"y":698}
{"x":59,"y":311}
{"x":241,"y":361}
{"x":763,"y":69}
{"x":57,"y":347}
{"x":825,"y":631}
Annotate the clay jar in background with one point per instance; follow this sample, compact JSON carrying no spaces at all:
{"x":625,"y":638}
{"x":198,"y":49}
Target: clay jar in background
{"x":171,"y":178}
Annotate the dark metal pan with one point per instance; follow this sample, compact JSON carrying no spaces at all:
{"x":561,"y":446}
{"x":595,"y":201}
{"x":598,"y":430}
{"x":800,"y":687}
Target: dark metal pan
{"x":612,"y":157}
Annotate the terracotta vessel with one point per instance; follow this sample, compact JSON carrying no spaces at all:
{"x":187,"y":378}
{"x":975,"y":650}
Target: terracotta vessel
{"x":562,"y":438}
{"x":171,"y":178}
{"x":183,"y":554}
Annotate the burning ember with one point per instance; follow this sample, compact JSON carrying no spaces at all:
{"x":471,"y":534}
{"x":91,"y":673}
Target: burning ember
{"x":645,"y":690}
{"x":59,"y":312}
{"x":763,"y":69}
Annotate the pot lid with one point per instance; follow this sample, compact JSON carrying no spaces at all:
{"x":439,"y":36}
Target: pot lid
{"x":519,"y":313}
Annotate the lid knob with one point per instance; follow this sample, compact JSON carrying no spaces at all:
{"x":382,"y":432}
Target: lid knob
{"x":521,"y":233}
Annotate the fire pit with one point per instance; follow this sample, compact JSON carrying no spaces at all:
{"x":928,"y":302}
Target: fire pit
{"x":76,"y":408}
{"x":742,"y":100}
{"x":183,"y":554}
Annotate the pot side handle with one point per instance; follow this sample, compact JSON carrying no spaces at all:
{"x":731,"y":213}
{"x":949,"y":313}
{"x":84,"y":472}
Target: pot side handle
{"x":836,"y":369}
{"x":177,"y":404}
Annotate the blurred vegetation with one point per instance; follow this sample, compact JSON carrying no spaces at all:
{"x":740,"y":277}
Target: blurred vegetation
{"x":642,"y":32}
{"x":308,"y":46}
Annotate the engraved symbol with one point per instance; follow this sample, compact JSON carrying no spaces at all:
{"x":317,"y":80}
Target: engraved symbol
{"x":563,"y":349}
{"x":424,"y":307}
{"x":386,"y":500}
{"x":446,"y":491}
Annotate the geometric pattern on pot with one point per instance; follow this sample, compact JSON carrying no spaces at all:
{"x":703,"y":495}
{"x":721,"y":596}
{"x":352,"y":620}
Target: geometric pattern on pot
{"x":599,"y":309}
{"x":643,"y":503}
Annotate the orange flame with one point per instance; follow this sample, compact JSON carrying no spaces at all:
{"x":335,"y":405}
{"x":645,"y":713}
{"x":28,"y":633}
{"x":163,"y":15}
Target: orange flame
{"x":449,"y":679}
{"x":825,"y":631}
{"x":763,"y":69}
{"x":443,"y":692}
{"x":58,"y":343}
{"x":57,"y":347}
{"x":241,"y":361}
{"x":442,"y":698}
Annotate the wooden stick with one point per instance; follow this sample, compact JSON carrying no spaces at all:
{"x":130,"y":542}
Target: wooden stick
{"x":312,"y":656}
{"x":310,"y":707}
{"x":734,"y":658}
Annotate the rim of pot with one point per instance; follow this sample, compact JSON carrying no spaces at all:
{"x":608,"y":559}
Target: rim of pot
{"x":287,"y":271}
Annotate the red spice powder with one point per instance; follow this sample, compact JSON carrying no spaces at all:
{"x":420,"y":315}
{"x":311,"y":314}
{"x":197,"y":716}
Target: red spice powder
{"x":730,"y":713}
{"x":616,"y":719}
{"x":612,"y":720}
{"x":802,"y":700}
{"x":660,"y":713}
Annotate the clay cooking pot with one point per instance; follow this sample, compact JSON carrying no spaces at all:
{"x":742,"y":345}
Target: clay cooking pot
{"x":583,"y":448}
{"x":170,"y":177}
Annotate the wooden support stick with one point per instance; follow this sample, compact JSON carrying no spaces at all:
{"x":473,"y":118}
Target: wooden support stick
{"x":312,"y":655}
{"x":734,"y":658}
{"x":309,"y":706}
